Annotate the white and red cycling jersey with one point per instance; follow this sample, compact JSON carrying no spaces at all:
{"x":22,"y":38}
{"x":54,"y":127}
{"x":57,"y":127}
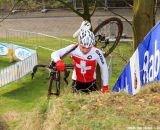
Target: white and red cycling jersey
{"x":85,"y":64}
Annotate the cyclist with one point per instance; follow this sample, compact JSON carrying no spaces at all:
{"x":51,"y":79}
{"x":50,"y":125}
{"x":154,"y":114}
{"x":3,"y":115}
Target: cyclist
{"x":85,"y":57}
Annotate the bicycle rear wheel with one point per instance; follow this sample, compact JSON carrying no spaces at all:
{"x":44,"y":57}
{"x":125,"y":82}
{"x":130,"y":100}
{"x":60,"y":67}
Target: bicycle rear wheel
{"x":108,"y":34}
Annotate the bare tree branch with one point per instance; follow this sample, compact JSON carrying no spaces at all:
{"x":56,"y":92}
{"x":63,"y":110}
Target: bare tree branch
{"x":128,"y":4}
{"x":120,"y":16}
{"x":133,"y":28}
{"x":94,"y":7}
{"x":10,"y":12}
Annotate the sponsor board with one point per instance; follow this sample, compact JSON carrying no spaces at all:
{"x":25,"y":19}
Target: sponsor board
{"x":14,"y":51}
{"x":22,"y":53}
{"x":144,"y":65}
{"x":3,"y":50}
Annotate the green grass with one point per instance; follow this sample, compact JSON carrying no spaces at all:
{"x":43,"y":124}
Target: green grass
{"x":25,"y":96}
{"x":120,"y":57}
{"x":4,"y":62}
{"x":97,"y":112}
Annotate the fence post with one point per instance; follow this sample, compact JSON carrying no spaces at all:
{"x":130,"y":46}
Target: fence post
{"x":13,"y":4}
{"x":74,"y":4}
{"x":44,"y":10}
{"x":106,"y":4}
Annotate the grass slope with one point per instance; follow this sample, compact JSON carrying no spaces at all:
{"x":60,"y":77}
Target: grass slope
{"x":95,"y":111}
{"x":24,"y":104}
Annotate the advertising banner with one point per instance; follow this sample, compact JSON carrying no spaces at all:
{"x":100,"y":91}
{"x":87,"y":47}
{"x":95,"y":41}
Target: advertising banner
{"x":144,"y":65}
{"x":14,"y":51}
{"x":3,"y":50}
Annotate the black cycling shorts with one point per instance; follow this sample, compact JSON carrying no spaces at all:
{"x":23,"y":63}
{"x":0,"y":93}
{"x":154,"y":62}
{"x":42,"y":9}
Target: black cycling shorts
{"x":84,"y":87}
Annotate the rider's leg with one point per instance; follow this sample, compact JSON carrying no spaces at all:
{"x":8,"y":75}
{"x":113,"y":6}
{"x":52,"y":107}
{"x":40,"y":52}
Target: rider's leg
{"x":84,"y":87}
{"x":93,"y":86}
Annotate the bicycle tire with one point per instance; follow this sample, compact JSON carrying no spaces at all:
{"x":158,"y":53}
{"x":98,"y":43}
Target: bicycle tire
{"x":57,"y":84}
{"x":54,"y":75}
{"x":119,"y":33}
{"x":51,"y":78}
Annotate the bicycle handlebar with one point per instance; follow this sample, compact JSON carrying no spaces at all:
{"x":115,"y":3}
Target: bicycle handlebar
{"x":67,"y":66}
{"x":51,"y":66}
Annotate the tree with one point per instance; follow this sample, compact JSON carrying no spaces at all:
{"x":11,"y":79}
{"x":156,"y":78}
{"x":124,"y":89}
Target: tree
{"x":87,"y":12}
{"x":143,"y":19}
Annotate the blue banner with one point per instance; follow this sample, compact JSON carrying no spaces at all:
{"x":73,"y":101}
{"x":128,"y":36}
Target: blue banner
{"x":144,"y":65}
{"x":3,"y":50}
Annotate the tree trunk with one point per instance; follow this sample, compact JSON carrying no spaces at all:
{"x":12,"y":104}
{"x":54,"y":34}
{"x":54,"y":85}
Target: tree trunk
{"x":86,"y":15}
{"x":143,"y":19}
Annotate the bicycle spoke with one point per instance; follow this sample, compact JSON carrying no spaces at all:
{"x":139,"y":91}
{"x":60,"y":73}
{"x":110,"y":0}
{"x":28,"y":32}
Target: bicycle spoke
{"x":108,"y":34}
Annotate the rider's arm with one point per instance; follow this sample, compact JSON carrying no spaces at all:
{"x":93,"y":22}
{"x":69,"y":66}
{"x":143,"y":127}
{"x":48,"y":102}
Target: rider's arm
{"x":103,"y":67}
{"x":56,"y":56}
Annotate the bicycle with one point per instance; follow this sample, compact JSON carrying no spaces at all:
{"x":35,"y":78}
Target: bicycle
{"x":54,"y":74}
{"x":103,"y":40}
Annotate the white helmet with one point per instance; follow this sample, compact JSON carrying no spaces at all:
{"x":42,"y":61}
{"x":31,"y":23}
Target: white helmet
{"x":84,"y":25}
{"x":86,"y":38}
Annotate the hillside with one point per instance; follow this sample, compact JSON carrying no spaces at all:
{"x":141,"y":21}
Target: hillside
{"x":96,"y":111}
{"x":24,"y":104}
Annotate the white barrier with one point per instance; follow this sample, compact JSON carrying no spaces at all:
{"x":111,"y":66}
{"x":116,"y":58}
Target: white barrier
{"x":18,"y":70}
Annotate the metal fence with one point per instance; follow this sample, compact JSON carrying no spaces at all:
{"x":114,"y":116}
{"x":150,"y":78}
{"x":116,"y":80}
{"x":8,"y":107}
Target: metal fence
{"x":105,"y":4}
{"x":17,"y":70}
{"x":38,"y":40}
{"x":57,"y":27}
{"x":45,"y":5}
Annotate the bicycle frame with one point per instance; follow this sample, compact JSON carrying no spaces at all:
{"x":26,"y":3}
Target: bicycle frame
{"x":54,"y":74}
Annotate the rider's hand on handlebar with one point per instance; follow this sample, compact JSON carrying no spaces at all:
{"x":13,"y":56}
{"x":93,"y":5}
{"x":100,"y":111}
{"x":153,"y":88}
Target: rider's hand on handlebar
{"x":60,"y":65}
{"x":105,"y":89}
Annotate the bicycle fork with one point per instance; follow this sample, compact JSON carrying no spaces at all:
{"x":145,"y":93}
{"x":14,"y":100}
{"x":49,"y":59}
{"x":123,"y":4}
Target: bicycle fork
{"x":54,"y":75}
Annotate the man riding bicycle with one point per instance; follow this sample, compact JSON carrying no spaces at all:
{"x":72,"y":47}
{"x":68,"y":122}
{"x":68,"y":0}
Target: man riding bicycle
{"x":85,"y":57}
